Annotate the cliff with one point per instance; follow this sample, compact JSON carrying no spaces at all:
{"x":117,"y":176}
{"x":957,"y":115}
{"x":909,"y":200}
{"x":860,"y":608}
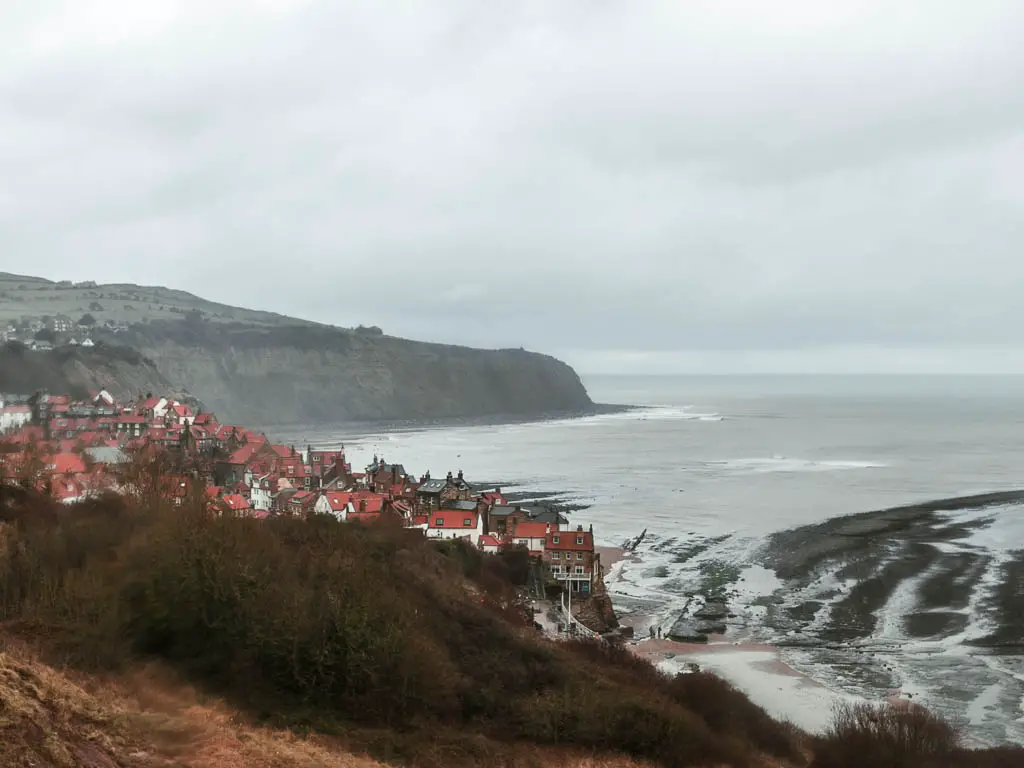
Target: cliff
{"x":263,"y":368}
{"x":123,"y":372}
{"x":303,"y":374}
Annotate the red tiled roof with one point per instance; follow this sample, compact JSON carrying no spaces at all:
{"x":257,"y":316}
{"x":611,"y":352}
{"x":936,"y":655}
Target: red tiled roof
{"x":67,"y":462}
{"x":243,"y":454}
{"x":488,"y":541}
{"x":531,"y":530}
{"x":567,"y":541}
{"x":235,"y":502}
{"x":452,"y":518}
{"x":337,"y":500}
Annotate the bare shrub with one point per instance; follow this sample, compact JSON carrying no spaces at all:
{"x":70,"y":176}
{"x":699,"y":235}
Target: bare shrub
{"x":884,"y":735}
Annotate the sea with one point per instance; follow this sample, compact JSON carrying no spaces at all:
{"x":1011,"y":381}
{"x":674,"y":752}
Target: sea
{"x":741,"y":484}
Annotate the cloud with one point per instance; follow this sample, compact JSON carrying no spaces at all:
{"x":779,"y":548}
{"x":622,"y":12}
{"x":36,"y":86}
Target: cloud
{"x":713,"y":182}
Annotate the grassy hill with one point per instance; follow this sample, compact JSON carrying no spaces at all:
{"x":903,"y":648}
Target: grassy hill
{"x":22,"y":296}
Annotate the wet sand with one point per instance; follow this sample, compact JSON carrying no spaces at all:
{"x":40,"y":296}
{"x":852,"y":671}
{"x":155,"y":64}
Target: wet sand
{"x":610,"y":556}
{"x":754,"y":668}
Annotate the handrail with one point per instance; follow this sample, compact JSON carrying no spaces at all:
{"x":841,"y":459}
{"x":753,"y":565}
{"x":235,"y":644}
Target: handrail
{"x":571,"y":621}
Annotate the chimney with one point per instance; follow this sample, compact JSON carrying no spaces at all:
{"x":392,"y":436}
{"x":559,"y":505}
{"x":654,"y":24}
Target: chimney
{"x":460,"y":475}
{"x":362,"y":505}
{"x":579,"y":529}
{"x":394,"y":474}
{"x":498,"y":490}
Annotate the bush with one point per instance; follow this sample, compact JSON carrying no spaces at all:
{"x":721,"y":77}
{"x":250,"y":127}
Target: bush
{"x":884,"y":735}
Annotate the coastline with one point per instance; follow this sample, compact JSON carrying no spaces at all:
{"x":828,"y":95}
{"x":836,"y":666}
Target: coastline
{"x":359,"y":428}
{"x":757,"y":669}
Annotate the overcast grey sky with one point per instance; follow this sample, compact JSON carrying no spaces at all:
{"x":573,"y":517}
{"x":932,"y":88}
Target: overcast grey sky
{"x":702,"y":185}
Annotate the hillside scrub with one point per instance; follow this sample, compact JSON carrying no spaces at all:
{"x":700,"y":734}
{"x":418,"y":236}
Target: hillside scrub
{"x":416,"y":654}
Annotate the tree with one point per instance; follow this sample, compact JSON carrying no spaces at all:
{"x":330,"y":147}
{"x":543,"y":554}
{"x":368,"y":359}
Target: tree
{"x":45,"y":334}
{"x":87,"y":320}
{"x":95,"y":307}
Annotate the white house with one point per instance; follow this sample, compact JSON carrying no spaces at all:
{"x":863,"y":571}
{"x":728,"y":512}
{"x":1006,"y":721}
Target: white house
{"x":489,"y":544}
{"x":455,"y":524}
{"x":87,"y":342}
{"x":14,"y":416}
{"x":337,"y":504}
{"x":260,"y":493}
{"x":105,"y":396}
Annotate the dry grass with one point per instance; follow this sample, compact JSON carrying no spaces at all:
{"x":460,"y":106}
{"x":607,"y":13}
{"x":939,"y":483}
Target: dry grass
{"x":148,"y":718}
{"x":48,"y":718}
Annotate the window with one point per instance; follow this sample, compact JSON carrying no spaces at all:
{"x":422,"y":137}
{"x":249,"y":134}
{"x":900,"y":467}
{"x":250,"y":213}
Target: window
{"x":554,"y":539}
{"x":579,"y":569}
{"x":579,"y":539}
{"x":523,"y":543}
{"x":579,"y":555}
{"x":468,"y":522}
{"x":556,"y":555}
{"x":556,"y":569}
{"x":439,"y":522}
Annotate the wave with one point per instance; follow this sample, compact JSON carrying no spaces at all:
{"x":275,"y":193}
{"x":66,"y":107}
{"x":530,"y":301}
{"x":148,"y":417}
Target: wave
{"x":638,"y":413}
{"x":785,"y":464}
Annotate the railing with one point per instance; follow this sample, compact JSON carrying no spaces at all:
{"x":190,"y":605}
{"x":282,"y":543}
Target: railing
{"x":573,"y":626}
{"x":573,"y":576}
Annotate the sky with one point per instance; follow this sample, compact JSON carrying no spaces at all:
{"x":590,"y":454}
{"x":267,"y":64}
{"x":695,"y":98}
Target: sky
{"x":700,"y":186}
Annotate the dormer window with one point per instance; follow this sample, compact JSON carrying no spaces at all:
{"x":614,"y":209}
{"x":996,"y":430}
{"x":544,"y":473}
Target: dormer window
{"x":555,"y":539}
{"x":439,"y":522}
{"x":468,"y":523}
{"x":579,"y":539}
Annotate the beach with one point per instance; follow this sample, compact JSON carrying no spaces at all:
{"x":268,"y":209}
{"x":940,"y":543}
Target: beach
{"x":756,"y":669}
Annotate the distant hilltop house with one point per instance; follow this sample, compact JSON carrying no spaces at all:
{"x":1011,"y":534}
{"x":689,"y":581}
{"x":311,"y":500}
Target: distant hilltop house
{"x":62,"y":324}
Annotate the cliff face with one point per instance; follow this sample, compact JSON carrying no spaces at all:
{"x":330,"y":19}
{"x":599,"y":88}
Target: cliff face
{"x":304,"y":374}
{"x":121,"y":371}
{"x":262,"y":368}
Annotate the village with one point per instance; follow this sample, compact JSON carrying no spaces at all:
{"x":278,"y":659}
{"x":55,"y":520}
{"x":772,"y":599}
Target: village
{"x":74,"y":450}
